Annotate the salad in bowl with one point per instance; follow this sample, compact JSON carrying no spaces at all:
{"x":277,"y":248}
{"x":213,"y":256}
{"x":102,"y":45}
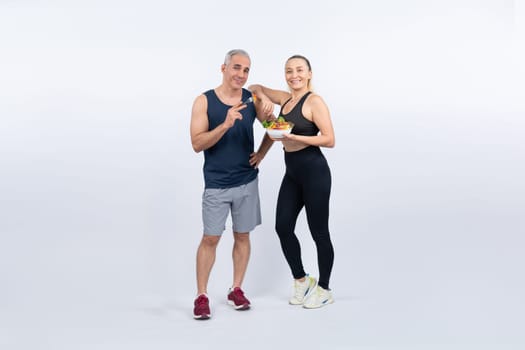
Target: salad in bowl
{"x":277,"y":128}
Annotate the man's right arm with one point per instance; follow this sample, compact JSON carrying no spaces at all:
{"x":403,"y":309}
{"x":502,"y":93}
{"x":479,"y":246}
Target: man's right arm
{"x":201,"y":137}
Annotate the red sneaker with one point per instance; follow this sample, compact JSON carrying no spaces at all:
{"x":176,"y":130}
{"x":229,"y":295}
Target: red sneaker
{"x":237,"y":299}
{"x":201,"y":311}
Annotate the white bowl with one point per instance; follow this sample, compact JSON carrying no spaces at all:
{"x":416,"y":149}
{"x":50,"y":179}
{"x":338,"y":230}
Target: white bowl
{"x":278,"y":133}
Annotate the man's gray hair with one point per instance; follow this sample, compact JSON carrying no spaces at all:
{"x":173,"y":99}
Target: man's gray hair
{"x":234,"y":52}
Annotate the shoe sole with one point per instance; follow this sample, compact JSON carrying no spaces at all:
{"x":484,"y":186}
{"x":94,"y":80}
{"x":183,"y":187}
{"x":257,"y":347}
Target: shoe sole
{"x":239,"y":307}
{"x":326,"y":302}
{"x":201,"y":317}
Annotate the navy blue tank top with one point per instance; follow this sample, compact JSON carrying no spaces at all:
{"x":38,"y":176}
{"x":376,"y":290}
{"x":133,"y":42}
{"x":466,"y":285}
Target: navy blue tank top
{"x":226,"y":164}
{"x":302,"y":126}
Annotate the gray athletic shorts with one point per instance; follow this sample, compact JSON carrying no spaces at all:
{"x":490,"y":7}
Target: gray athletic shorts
{"x":243,"y":203}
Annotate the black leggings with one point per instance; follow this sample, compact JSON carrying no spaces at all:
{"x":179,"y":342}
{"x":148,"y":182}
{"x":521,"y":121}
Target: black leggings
{"x":306,"y":183}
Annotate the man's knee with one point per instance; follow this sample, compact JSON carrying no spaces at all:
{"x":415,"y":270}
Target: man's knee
{"x":241,"y":237}
{"x":210,"y":241}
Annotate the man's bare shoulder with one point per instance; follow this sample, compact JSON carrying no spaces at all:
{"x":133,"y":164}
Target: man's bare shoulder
{"x":200,"y":102}
{"x":200,"y":99}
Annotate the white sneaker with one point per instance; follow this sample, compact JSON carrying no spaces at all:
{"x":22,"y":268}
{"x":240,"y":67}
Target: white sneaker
{"x":320,"y":297}
{"x":302,"y":290}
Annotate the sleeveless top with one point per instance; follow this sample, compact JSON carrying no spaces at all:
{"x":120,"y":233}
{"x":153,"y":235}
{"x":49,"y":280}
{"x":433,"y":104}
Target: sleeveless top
{"x":302,"y":126}
{"x":226,"y":164}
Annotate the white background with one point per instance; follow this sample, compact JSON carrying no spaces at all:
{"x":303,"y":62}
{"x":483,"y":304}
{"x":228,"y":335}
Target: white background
{"x":100,"y":188}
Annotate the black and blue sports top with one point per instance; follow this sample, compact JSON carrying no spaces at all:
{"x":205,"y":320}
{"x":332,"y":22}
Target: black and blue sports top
{"x":226,"y":164}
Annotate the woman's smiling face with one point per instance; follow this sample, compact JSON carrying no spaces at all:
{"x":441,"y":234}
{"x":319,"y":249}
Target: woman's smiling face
{"x":297,"y":73}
